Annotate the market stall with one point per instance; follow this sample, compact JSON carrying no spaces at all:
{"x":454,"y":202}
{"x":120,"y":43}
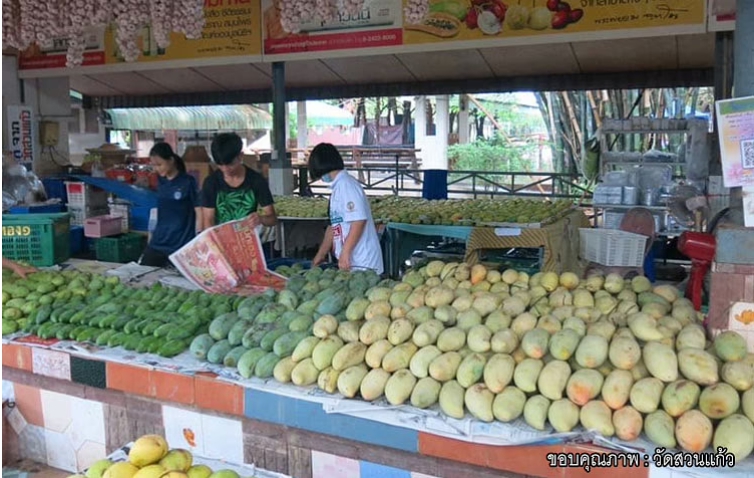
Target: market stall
{"x":283,"y":418}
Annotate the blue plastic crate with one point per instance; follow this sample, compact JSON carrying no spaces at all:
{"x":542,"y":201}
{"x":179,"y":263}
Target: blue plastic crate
{"x":38,"y":209}
{"x":55,"y":189}
{"x":139,"y":218}
{"x":77,"y":240}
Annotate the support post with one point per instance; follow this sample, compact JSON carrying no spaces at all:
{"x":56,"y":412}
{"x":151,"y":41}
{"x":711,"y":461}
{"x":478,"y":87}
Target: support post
{"x":281,"y":175}
{"x":463,"y":119}
{"x":743,"y":79}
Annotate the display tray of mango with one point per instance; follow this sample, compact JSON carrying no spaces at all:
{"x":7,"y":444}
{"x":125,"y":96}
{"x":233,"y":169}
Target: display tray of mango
{"x":455,"y":370}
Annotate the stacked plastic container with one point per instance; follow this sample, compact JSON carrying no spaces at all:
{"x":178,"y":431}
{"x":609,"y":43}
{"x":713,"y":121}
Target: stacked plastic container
{"x":85,"y":201}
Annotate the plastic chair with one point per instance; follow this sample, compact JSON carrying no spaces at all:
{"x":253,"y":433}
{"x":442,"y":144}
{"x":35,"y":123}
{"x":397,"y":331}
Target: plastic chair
{"x":638,"y":220}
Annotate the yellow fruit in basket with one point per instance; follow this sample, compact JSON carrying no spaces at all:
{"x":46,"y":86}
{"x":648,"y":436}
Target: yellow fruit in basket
{"x":98,"y":468}
{"x":177,"y":460}
{"x":150,"y":471}
{"x":147,"y":450}
{"x":121,"y":470}
{"x":174,"y":474}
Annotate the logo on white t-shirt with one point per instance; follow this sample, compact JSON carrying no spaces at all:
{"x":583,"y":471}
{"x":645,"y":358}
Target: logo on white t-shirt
{"x":350,"y":206}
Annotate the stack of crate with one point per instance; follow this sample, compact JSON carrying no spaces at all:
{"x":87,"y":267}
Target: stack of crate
{"x":85,"y":201}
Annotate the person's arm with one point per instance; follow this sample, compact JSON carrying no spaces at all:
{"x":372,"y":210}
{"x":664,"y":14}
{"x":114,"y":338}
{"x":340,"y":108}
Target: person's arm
{"x":208,"y":218}
{"x":17,"y":268}
{"x":208,"y":203}
{"x":199,"y":219}
{"x":267,"y":216}
{"x":324,"y":248}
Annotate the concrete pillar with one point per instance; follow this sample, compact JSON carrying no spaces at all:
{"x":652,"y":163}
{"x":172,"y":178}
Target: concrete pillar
{"x":463,"y":119}
{"x":281,"y":175}
{"x":302,"y":132}
{"x":420,"y":128}
{"x":442,"y":110}
{"x":50,"y":99}
{"x":743,"y":79}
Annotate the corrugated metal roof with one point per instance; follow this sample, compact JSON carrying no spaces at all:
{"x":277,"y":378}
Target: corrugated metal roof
{"x":201,"y":118}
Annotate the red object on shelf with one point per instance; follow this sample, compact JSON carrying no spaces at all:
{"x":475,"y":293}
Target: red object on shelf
{"x":120,"y":174}
{"x":700,"y":247}
{"x":147,"y":179}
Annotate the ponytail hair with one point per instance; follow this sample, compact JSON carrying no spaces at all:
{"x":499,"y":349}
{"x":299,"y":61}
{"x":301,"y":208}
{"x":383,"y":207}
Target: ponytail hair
{"x":165,"y":151}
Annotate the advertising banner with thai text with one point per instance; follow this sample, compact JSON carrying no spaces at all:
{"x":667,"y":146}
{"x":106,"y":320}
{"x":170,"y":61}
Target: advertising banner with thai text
{"x":377,"y":25}
{"x":232,"y":29}
{"x":523,"y":21}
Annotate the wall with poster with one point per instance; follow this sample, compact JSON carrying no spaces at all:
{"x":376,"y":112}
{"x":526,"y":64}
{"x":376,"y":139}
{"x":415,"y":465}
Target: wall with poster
{"x":231,"y":30}
{"x":21,"y":134}
{"x":378,"y":25}
{"x":418,"y":25}
{"x":501,"y":22}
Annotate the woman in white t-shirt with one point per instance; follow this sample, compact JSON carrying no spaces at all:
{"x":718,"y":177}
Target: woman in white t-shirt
{"x":352,"y":235}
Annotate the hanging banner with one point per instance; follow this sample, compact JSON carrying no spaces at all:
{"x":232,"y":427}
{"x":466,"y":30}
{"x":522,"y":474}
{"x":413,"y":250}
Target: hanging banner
{"x":456,"y":24}
{"x":21,"y":134}
{"x":232,"y":29}
{"x":722,"y":15}
{"x":735,"y":125}
{"x":377,"y":25}
{"x":529,"y":21}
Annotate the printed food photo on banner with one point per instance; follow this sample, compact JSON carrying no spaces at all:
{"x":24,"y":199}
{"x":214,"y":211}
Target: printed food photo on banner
{"x":219,"y":29}
{"x":427,"y":21}
{"x":296,"y":27}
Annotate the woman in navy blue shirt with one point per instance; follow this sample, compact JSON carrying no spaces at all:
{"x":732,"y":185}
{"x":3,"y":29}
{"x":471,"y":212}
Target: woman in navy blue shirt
{"x":177,"y":207}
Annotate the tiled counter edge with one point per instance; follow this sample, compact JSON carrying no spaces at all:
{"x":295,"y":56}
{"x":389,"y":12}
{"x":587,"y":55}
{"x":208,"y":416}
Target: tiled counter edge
{"x":226,"y":421}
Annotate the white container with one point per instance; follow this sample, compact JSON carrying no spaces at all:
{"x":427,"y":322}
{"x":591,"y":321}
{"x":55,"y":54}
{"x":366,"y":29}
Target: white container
{"x":630,"y":195}
{"x":124,"y":211}
{"x":611,"y":247}
{"x":79,"y":215}
{"x":612,"y":219}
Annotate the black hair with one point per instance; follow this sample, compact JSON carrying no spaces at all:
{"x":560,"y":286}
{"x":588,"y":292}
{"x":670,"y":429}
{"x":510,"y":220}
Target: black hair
{"x":165,"y":151}
{"x":226,"y":147}
{"x":324,"y":159}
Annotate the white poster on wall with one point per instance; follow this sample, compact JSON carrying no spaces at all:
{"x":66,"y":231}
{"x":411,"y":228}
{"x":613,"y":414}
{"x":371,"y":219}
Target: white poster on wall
{"x":21,"y":134}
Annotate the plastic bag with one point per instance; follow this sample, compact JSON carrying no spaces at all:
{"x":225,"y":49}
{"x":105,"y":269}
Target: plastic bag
{"x":21,"y":187}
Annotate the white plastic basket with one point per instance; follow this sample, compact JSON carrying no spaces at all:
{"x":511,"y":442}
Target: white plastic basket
{"x":611,"y":247}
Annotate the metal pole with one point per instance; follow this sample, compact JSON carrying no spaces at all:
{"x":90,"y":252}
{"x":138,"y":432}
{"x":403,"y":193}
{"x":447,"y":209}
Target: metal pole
{"x":743,"y":78}
{"x":281,"y":175}
{"x":278,"y":114}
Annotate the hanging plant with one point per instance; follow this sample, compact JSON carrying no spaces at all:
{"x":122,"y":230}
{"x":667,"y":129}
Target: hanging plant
{"x":28,"y":22}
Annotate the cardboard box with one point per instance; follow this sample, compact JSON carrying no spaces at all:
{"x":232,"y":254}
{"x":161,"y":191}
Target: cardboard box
{"x":199,"y":171}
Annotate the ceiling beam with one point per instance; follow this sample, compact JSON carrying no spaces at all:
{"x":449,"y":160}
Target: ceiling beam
{"x":593,"y":81}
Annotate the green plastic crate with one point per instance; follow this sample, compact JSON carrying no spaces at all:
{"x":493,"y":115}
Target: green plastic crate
{"x":38,"y":239}
{"x":121,"y":249}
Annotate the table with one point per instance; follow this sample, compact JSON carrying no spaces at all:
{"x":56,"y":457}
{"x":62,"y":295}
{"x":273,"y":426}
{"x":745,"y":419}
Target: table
{"x":403,"y":239}
{"x":90,"y":402}
{"x":558,"y":242}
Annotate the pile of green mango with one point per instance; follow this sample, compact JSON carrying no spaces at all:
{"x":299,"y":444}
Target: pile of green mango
{"x":266,"y":329}
{"x":73,"y":305}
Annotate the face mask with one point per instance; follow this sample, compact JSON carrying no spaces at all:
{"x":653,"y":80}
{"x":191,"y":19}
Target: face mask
{"x":326,"y":179}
